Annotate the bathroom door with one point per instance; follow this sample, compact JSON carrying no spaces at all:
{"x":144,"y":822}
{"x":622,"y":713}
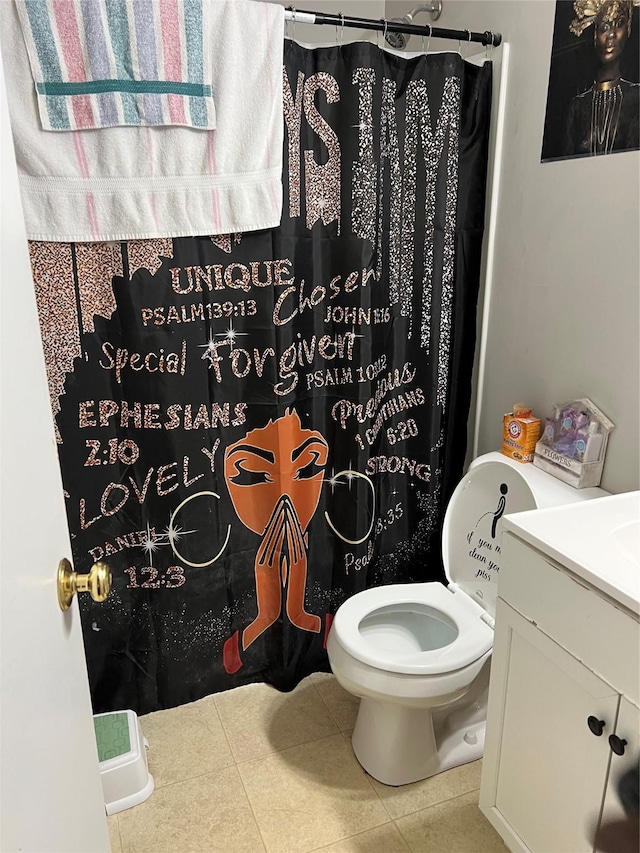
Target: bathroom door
{"x":50,"y":794}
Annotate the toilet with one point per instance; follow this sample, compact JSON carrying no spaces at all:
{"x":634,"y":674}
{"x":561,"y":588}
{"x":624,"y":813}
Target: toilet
{"x":418,"y":655}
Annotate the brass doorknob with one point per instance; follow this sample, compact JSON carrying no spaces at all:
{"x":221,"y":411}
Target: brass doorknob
{"x":97,"y":583}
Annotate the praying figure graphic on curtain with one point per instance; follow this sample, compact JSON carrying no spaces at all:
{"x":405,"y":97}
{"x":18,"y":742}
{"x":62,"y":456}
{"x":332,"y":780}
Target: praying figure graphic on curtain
{"x":274,"y":476}
{"x":593,"y":108}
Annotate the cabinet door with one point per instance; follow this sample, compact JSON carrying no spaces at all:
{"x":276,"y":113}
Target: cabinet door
{"x":550,"y":771}
{"x":627,"y":728}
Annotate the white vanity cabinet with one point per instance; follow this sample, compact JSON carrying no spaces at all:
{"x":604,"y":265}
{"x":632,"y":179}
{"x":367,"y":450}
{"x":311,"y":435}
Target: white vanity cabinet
{"x":565,"y":688}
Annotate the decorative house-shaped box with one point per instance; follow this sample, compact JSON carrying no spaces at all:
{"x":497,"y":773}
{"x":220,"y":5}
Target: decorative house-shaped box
{"x":574,"y":443}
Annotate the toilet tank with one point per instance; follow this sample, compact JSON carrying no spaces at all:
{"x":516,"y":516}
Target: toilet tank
{"x":494,"y":486}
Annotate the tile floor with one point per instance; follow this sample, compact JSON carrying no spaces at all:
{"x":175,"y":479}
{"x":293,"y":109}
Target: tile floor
{"x":258,"y":771}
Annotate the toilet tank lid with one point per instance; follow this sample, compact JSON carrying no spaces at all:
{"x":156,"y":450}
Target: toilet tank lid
{"x":547,"y":490}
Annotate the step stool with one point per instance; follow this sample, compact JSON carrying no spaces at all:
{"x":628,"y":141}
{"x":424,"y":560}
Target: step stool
{"x":122,"y":753}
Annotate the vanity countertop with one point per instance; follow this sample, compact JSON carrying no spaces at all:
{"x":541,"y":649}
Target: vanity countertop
{"x":597,"y":540}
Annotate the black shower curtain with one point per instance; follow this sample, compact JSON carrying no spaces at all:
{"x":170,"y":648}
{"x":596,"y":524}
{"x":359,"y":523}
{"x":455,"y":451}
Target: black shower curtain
{"x":255,"y":427}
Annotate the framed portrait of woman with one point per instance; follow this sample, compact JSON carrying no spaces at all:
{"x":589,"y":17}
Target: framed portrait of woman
{"x":593,"y":100}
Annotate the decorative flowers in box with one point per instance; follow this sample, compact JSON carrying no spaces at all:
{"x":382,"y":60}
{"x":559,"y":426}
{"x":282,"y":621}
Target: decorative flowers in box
{"x":574,"y":442}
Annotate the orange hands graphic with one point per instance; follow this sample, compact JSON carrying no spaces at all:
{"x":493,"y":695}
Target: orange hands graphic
{"x":281,"y":563}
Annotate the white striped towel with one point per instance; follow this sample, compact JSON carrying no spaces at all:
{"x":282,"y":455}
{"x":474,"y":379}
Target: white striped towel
{"x":139,"y":182}
{"x":102,"y":63}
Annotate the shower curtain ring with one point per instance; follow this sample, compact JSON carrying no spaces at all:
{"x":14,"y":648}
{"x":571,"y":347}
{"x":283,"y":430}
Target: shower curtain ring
{"x":430,"y":34}
{"x":384,"y":35}
{"x":293,"y":17}
{"x":341,"y":29}
{"x":468,"y":32}
{"x":488,"y":44}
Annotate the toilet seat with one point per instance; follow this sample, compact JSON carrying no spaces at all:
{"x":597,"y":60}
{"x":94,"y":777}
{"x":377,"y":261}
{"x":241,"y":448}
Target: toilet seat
{"x":382,"y":627}
{"x":493,"y":485}
{"x":471,"y":639}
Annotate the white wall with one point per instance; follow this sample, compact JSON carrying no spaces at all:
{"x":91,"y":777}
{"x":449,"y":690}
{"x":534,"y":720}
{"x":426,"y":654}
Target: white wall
{"x":564,"y":312}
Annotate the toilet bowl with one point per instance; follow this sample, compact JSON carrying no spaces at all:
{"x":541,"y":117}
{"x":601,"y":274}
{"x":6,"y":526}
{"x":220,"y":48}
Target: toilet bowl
{"x":418,"y":655}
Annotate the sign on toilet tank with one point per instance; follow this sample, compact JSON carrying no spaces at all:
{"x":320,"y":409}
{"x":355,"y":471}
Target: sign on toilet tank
{"x":472,"y":534}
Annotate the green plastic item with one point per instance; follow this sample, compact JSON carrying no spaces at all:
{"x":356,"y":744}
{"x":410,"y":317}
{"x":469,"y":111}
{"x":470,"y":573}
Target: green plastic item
{"x":112,"y":735}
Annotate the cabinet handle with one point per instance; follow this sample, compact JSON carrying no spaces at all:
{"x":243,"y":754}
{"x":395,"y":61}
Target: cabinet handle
{"x":596,"y":726}
{"x":617,"y":744}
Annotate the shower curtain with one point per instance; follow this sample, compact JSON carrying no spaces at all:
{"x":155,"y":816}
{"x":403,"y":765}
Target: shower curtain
{"x":254,"y":427}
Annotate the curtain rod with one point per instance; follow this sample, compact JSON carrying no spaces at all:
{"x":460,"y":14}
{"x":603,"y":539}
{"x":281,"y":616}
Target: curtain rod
{"x":487,"y":38}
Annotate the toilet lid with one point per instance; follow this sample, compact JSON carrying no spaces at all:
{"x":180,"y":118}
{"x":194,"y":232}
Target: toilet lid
{"x":472,"y":530}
